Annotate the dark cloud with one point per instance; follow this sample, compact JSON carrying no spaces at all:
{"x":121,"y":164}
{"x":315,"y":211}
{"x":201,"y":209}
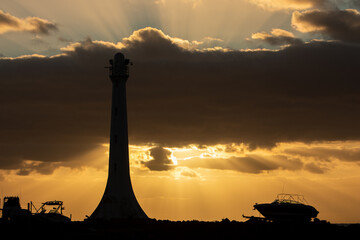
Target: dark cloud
{"x":57,"y":108}
{"x":53,"y":109}
{"x":248,"y":164}
{"x":161,"y":161}
{"x":258,"y":97}
{"x":341,"y":25}
{"x":30,"y":24}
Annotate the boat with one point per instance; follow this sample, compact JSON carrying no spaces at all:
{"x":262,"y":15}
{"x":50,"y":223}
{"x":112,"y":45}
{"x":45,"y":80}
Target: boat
{"x":50,"y":211}
{"x":54,"y":214}
{"x":287,"y":207}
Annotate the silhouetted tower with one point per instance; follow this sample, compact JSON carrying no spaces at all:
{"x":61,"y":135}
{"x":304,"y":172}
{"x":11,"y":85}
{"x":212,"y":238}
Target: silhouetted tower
{"x":118,"y":201}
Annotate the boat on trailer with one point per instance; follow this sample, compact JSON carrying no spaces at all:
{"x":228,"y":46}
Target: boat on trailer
{"x":50,"y":211}
{"x":287,"y":207}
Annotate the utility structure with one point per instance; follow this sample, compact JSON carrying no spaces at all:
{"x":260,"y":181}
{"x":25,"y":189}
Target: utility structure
{"x":118,"y":201}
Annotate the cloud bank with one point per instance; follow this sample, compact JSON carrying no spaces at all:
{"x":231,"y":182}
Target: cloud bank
{"x":57,"y":108}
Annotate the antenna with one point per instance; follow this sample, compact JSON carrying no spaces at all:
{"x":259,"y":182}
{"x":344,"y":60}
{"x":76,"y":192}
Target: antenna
{"x":20,"y":195}
{"x":283,"y":188}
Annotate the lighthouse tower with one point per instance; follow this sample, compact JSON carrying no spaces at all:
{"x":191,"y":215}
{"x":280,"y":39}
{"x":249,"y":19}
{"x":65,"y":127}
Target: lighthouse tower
{"x":118,"y":201}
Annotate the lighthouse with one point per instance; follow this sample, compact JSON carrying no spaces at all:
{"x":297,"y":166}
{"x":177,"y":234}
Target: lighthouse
{"x":118,"y":201}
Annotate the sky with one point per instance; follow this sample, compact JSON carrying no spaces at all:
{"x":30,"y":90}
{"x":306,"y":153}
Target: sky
{"x":229,"y":103}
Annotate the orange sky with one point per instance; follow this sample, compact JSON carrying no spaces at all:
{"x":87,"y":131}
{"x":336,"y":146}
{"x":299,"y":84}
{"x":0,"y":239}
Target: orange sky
{"x":199,"y":193}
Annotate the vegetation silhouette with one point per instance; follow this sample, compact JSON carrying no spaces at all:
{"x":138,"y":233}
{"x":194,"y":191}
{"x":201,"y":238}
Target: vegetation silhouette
{"x":166,"y":229}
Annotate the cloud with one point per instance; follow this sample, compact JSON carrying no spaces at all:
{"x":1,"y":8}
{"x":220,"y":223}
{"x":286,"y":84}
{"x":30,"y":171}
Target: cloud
{"x":277,"y":37}
{"x":315,"y":168}
{"x":161,"y":160}
{"x":292,"y":4}
{"x":339,"y":24}
{"x":315,"y":158}
{"x":249,"y":164}
{"x":9,"y":23}
{"x":186,"y":172}
{"x":251,"y":97}
{"x":153,"y":43}
{"x":273,"y":5}
{"x":57,"y":108}
{"x":41,"y":167}
{"x":181,"y":172}
{"x":327,"y":154}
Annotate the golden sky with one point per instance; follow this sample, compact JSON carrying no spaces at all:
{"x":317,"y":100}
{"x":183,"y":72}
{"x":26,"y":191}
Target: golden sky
{"x":229,"y":103}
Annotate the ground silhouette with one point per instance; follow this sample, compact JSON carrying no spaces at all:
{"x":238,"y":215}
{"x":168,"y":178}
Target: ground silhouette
{"x":165,"y":229}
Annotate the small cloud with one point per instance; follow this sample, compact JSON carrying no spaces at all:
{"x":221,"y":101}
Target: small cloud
{"x":23,"y":172}
{"x":63,"y":39}
{"x":273,"y":5}
{"x":27,"y":56}
{"x":277,"y":37}
{"x":161,"y":160}
{"x":9,"y":23}
{"x":38,"y":25}
{"x":185,"y":172}
{"x":314,"y":168}
{"x":211,"y":39}
{"x":189,"y":174}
